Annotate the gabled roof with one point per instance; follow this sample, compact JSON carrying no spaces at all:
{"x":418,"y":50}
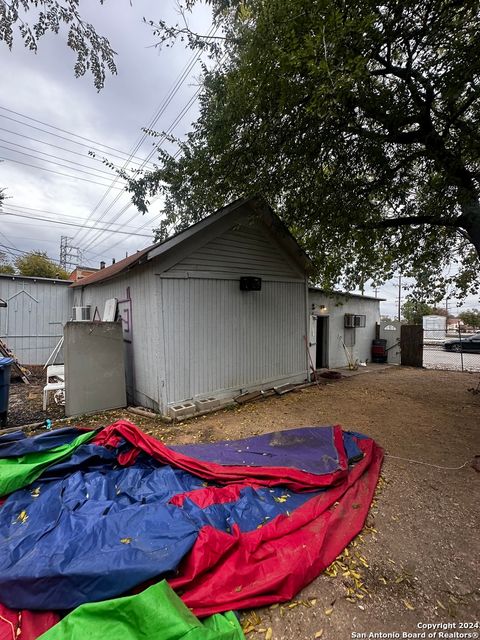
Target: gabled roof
{"x":255,"y":206}
{"x":114,"y":269}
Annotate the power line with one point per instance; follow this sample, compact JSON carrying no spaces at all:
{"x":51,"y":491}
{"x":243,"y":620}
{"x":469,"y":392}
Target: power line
{"x":115,"y":244}
{"x":6,"y":237}
{"x":51,"y":126}
{"x":25,"y":209}
{"x":50,"y":144}
{"x":27,"y":164}
{"x":95,"y":240}
{"x":62,"y":223}
{"x":51,"y":155}
{"x":161,"y":109}
{"x":59,"y":164}
{"x":10,"y":250}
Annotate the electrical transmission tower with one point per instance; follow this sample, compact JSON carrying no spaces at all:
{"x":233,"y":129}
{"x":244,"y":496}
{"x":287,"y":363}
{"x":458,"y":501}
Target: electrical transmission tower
{"x":70,"y":256}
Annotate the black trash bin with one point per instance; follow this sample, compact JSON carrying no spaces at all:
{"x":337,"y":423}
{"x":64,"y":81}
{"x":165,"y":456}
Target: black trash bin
{"x":5,"y":366}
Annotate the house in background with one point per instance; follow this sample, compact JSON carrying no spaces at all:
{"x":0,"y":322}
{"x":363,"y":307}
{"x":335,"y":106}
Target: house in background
{"x":81,"y":272}
{"x":213,"y":311}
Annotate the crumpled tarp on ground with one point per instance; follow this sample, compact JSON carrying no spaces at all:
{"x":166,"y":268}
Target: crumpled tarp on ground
{"x":155,"y":614}
{"x":230,"y":525}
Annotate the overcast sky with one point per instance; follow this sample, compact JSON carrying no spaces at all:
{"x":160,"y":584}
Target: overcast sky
{"x":43,"y":87}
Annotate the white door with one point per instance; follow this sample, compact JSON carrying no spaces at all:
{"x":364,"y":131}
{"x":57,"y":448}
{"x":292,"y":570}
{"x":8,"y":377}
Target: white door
{"x":312,"y":343}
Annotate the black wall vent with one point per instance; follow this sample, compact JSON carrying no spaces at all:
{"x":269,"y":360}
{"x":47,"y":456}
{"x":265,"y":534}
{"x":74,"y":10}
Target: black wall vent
{"x":249,"y":283}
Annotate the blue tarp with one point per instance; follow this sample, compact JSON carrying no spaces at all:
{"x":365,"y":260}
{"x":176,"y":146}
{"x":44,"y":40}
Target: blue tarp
{"x":89,"y":530}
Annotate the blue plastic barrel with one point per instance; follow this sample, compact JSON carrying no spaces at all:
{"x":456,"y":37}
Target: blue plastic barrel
{"x":5,"y":366}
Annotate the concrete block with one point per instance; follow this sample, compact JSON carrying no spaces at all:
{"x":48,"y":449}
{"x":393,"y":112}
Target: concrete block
{"x":182,"y":410}
{"x":207,"y":404}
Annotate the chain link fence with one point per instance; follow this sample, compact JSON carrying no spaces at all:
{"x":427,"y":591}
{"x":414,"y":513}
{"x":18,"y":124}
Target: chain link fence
{"x":455,"y":351}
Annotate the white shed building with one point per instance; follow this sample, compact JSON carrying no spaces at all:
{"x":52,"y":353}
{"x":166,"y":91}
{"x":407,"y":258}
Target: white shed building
{"x":215,"y":310}
{"x":341,"y":323}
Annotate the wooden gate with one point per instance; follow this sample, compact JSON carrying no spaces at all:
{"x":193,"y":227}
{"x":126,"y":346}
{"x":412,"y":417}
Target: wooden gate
{"x":411,"y":345}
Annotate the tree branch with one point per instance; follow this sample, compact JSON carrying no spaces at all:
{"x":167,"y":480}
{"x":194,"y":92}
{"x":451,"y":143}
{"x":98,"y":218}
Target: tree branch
{"x":408,"y":221}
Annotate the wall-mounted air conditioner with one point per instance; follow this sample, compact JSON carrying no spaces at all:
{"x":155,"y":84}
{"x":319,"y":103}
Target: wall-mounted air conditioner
{"x":81,"y":314}
{"x":349,"y":321}
{"x":353,"y":321}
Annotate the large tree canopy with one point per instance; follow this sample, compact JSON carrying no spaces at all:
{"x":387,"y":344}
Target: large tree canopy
{"x":34,"y":18}
{"x":358,"y":121}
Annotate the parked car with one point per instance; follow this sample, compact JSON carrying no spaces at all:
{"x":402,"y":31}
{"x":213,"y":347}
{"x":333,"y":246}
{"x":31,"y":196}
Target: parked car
{"x":465,"y":345}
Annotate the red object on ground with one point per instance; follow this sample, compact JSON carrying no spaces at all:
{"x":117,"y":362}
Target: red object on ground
{"x":289,"y":477}
{"x":25,"y":625}
{"x":271,"y":564}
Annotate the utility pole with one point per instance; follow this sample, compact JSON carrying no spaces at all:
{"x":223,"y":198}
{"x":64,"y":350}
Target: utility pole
{"x":70,"y":256}
{"x":399,"y":296}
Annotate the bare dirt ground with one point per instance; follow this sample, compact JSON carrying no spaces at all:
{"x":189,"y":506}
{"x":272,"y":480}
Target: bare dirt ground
{"x":418,"y":559}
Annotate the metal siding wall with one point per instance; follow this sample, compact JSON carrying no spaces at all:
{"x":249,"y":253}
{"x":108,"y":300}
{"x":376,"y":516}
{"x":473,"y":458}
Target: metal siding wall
{"x":32,"y":324}
{"x":220,"y":338}
{"x":249,"y":249}
{"x":147,"y":353}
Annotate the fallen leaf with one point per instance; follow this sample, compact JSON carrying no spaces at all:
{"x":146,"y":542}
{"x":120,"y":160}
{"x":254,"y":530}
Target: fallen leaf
{"x":408,"y":605}
{"x":126,"y":540}
{"x":319,"y":634}
{"x":268,"y":634}
{"x":441,"y":605}
{"x":329,"y":611}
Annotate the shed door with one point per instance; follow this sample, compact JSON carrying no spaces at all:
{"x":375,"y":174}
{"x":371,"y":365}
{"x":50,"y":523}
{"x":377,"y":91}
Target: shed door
{"x":312,"y":343}
{"x":125,"y":313}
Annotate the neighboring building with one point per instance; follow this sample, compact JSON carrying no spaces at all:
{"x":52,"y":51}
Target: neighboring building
{"x":455,"y":324}
{"x":194,"y":325}
{"x":434,"y":327}
{"x":32,"y":322}
{"x":81,"y":272}
{"x":341,"y":323}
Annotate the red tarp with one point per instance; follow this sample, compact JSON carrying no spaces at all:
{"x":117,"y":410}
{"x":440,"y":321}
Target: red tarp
{"x":272,"y":563}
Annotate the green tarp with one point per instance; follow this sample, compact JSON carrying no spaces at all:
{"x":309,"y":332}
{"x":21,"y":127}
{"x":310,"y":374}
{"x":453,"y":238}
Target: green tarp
{"x":155,"y":614}
{"x":19,"y":472}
